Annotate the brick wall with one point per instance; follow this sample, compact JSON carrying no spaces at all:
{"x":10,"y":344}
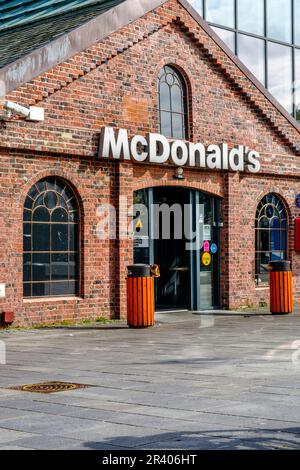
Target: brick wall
{"x":114,"y":83}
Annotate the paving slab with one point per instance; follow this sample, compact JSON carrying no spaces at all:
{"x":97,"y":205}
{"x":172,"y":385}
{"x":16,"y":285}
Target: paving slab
{"x":51,"y":443}
{"x":223,"y":381}
{"x":10,"y":435}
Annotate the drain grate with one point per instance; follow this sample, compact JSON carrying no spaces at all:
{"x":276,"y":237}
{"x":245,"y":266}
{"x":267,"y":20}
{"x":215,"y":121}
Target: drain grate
{"x":49,"y":387}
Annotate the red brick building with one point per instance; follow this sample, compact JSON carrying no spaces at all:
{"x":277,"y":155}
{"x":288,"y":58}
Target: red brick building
{"x":118,"y":70}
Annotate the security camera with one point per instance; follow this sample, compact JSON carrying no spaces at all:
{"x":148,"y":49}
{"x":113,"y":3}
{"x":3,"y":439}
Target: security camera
{"x":16,"y":108}
{"x":32,"y":113}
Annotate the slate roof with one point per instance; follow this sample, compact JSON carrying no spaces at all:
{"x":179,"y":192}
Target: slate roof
{"x":16,"y":12}
{"x":35,"y":23}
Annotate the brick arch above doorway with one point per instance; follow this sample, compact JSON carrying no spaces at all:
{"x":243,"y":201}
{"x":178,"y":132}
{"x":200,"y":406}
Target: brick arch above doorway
{"x":147,"y":177}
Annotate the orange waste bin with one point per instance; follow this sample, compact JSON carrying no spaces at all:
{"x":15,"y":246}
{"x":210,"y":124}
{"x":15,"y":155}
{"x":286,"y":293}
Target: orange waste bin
{"x":281,"y":289}
{"x":140,"y":296}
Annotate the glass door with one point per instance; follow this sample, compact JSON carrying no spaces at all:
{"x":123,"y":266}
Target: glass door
{"x":205,"y":269}
{"x":170,"y":253}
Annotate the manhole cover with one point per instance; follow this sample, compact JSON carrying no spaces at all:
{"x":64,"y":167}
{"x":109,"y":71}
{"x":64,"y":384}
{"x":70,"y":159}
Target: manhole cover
{"x":49,"y":387}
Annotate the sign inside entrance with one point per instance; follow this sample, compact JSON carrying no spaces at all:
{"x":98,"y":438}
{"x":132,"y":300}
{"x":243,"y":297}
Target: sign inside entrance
{"x":206,"y":233}
{"x":156,"y":148}
{"x":141,"y":242}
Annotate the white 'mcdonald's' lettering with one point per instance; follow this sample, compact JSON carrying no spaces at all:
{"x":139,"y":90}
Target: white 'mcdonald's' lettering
{"x":155,"y":148}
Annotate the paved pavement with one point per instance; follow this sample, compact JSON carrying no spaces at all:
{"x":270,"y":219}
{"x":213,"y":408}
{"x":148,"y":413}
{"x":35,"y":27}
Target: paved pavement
{"x":190,"y":382}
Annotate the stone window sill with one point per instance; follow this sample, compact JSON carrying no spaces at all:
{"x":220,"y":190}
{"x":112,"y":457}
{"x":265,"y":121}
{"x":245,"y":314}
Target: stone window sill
{"x":51,"y":299}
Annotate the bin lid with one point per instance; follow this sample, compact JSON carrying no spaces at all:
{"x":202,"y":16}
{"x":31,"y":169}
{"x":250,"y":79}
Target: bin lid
{"x":279,"y":266}
{"x":139,"y":270}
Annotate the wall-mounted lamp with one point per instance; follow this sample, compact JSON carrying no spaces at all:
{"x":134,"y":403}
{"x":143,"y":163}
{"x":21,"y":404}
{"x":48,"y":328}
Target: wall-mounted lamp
{"x":178,"y":175}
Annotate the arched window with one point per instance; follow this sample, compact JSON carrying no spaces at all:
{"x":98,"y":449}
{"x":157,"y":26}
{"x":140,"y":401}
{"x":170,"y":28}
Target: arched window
{"x":172,"y":103}
{"x":50,"y":240}
{"x":271,"y":235}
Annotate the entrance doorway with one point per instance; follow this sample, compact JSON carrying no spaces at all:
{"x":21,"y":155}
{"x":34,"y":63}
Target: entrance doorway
{"x":178,"y":229}
{"x":173,"y":286}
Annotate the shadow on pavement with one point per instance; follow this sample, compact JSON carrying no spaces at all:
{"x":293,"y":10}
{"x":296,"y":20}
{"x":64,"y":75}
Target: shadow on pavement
{"x":263,"y":439}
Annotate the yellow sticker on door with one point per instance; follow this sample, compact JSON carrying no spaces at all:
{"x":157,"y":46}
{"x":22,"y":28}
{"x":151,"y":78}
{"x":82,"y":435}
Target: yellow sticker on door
{"x":206,"y":259}
{"x":139,"y":225}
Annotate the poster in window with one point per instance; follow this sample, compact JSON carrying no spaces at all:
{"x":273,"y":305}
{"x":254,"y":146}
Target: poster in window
{"x":206,"y":232}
